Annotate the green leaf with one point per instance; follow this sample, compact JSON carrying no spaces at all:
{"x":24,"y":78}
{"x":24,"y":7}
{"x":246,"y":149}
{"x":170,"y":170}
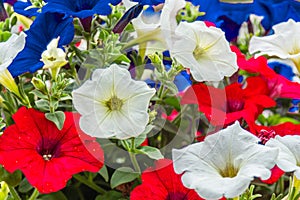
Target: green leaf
{"x":110,"y":195}
{"x":122,"y":175}
{"x":42,"y":105}
{"x":24,"y":186}
{"x":151,"y":152}
{"x":173,"y":101}
{"x":38,"y":94}
{"x":142,"y":137}
{"x":104,"y":173}
{"x":54,"y":196}
{"x":288,"y":119}
{"x":58,"y":118}
{"x":12,"y":179}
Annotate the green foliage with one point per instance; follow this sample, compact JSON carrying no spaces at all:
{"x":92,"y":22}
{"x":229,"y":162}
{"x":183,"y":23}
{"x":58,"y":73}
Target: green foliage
{"x":123,"y":175}
{"x":12,"y":179}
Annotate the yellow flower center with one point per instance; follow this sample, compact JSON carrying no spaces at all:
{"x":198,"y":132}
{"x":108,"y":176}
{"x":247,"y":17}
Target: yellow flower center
{"x":296,"y":60}
{"x":114,"y":104}
{"x":198,"y":52}
{"x":229,"y":171}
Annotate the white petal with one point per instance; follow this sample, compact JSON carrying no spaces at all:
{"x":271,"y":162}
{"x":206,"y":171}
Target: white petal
{"x":289,"y":156}
{"x":203,"y":164}
{"x":10,"y":49}
{"x":98,"y":119}
{"x":216,"y":60}
{"x":168,"y":20}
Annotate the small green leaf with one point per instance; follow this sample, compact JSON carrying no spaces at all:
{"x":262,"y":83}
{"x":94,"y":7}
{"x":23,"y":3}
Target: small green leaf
{"x":12,"y":179}
{"x":151,"y":152}
{"x":58,"y":118}
{"x":110,"y":195}
{"x":38,"y":94}
{"x":104,"y":173}
{"x":42,"y":105}
{"x":122,"y":175}
{"x":24,"y":186}
{"x":53,"y":196}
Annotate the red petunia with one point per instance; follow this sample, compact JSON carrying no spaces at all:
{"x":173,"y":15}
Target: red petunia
{"x":161,"y":183}
{"x":224,"y":106}
{"x":47,"y":156}
{"x":278,"y":85}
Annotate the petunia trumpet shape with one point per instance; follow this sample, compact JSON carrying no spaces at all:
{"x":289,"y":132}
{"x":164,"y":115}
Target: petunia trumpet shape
{"x":45,"y":28}
{"x":204,"y":50}
{"x":112,"y":104}
{"x":284,"y":43}
{"x":48,"y":157}
{"x":225,"y":163}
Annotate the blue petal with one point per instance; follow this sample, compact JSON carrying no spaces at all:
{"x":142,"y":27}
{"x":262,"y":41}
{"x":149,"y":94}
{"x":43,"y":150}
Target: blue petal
{"x":21,"y":8}
{"x":46,"y":27}
{"x":282,"y":69}
{"x":149,"y":2}
{"x":80,"y":8}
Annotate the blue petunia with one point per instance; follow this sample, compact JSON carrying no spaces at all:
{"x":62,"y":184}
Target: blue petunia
{"x":80,"y":8}
{"x":25,"y":8}
{"x":229,"y":17}
{"x":46,"y":27}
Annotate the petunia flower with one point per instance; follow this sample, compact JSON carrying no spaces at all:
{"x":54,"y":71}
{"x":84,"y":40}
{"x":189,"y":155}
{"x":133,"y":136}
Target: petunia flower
{"x":26,"y":8}
{"x":160,"y":182}
{"x":112,"y":104}
{"x":44,"y":29}
{"x":204,"y":50}
{"x":47,"y":156}
{"x":54,"y":58}
{"x":284,"y":43}
{"x":289,"y":148}
{"x":234,"y":102}
{"x":8,"y":51}
{"x":278,"y":85}
{"x":265,"y":133}
{"x":224,"y":164}
{"x":80,"y":8}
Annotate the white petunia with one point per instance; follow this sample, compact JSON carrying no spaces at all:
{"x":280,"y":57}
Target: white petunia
{"x":8,"y":51}
{"x":284,"y":43}
{"x":147,"y":30}
{"x":168,"y":20}
{"x":53,"y":57}
{"x":112,"y":104}
{"x":289,"y":153}
{"x":225,"y":163}
{"x":194,"y":45}
{"x":204,"y":50}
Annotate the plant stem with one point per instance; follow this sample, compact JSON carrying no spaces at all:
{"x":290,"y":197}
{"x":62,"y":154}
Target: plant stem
{"x":88,"y":183}
{"x":134,"y":162}
{"x":34,"y":195}
{"x":14,"y":193}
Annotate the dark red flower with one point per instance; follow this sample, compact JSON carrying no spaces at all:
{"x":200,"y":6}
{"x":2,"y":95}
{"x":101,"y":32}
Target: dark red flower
{"x":224,"y":106}
{"x":47,"y":156}
{"x":162,"y":183}
{"x":278,"y":85}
